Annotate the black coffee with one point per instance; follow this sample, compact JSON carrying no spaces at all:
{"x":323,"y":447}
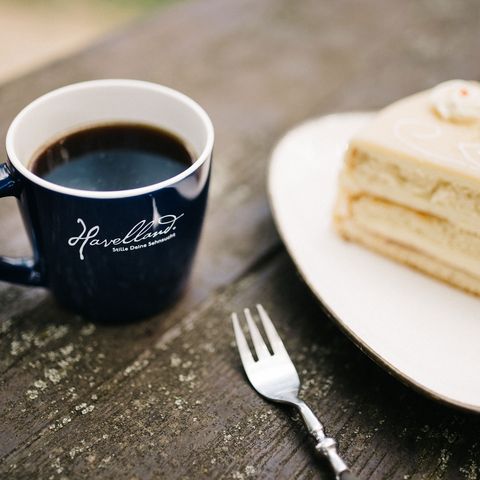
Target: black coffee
{"x":113,"y":157}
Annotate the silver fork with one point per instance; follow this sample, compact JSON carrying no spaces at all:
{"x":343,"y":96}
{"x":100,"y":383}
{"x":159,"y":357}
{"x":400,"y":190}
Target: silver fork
{"x":274,"y":376}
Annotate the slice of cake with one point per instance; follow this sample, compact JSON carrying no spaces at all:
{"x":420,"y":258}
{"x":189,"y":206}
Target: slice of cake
{"x":410,"y":184}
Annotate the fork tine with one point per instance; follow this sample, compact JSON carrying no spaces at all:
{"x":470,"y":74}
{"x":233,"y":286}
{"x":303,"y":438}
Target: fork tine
{"x":242,"y":345}
{"x":273,"y":337}
{"x":257,"y":340}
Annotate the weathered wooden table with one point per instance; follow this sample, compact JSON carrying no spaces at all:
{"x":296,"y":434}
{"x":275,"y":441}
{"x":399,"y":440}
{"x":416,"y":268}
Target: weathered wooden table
{"x":166,"y":398}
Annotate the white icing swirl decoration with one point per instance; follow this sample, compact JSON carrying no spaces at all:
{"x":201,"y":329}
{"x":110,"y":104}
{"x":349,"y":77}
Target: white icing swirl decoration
{"x":457,"y":101}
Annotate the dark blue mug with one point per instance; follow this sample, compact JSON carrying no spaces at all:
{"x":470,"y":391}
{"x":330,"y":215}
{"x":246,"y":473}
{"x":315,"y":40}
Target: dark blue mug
{"x":116,"y":255}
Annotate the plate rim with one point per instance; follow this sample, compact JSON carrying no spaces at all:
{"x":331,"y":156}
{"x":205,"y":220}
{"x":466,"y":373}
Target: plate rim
{"x":378,"y":359}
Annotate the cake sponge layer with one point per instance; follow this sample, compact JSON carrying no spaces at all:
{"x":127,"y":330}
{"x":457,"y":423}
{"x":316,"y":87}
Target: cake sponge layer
{"x":423,"y":189}
{"x":428,"y":243}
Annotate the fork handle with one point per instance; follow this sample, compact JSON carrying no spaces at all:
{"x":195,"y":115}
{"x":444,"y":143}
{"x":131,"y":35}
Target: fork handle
{"x":327,"y":447}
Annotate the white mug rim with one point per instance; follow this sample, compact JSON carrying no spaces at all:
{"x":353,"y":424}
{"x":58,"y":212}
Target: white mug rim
{"x":154,"y":87}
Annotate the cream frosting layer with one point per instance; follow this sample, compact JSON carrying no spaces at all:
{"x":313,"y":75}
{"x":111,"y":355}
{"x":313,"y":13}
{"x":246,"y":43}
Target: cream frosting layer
{"x":411,"y":132}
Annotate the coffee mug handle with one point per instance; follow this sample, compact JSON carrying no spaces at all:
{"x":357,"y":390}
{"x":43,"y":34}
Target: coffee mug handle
{"x":15,"y":270}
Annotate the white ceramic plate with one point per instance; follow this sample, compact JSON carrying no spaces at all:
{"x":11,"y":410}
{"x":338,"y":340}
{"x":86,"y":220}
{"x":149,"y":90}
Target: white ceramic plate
{"x":425,"y":332}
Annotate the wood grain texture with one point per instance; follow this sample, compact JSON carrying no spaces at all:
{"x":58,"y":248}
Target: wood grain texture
{"x":166,"y":398}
